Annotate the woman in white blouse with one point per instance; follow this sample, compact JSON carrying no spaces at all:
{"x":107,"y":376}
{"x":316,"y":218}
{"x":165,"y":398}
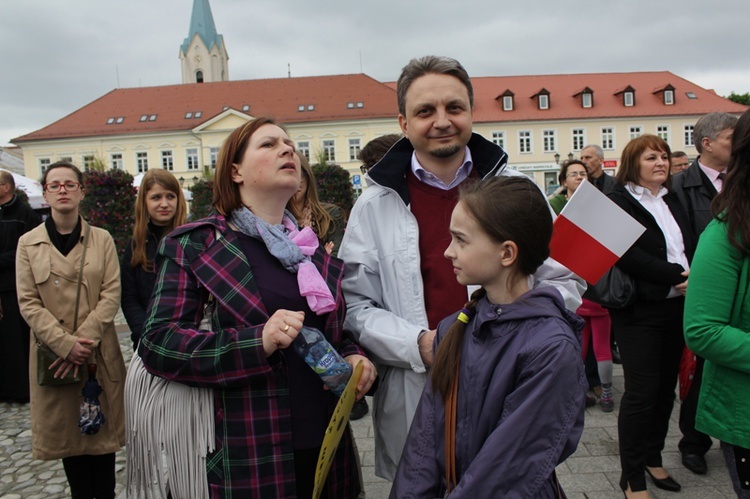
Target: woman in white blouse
{"x":649,"y":332}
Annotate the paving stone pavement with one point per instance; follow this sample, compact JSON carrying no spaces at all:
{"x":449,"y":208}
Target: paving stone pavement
{"x":592,"y":472}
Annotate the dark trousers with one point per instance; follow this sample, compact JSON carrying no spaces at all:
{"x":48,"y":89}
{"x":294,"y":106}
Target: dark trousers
{"x":649,"y":336}
{"x":693,"y":441}
{"x":14,"y":351}
{"x":91,"y":477}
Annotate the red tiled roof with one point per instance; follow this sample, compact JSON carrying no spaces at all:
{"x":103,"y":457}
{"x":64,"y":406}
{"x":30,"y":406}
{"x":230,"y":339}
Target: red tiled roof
{"x":565,"y":99}
{"x":331,"y":95}
{"x":279,"y":98}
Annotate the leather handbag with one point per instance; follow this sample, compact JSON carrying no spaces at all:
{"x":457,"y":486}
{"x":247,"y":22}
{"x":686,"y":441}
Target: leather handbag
{"x":616,"y":289}
{"x":45,"y":356}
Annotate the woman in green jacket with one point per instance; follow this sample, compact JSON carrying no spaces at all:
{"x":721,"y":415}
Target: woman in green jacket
{"x":717,"y":315}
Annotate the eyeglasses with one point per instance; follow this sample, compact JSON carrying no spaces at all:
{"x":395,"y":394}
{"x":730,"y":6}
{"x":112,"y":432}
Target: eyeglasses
{"x":69,"y":186}
{"x":577,"y":174}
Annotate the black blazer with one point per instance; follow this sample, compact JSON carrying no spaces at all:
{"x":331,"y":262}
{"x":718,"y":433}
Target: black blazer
{"x":646,"y":260}
{"x":695,"y":192}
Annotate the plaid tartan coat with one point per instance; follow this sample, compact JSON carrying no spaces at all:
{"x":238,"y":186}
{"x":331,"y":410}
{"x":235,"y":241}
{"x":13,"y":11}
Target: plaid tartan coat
{"x":254,"y":455}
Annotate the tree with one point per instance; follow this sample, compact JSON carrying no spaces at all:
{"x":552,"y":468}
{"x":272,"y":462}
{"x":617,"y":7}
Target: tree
{"x":110,"y":203}
{"x":203,"y":195}
{"x":334,"y":185}
{"x":740,"y":98}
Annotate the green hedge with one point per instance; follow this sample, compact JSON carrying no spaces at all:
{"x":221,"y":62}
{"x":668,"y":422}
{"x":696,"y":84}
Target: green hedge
{"x":334,"y":186}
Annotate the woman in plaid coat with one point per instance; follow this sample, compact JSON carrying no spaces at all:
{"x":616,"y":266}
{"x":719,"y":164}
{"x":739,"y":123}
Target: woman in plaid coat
{"x":267,"y":279}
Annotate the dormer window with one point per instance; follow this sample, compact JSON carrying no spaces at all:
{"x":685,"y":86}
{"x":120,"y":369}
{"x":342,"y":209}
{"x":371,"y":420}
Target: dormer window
{"x":544,"y":101}
{"x":667,"y":94}
{"x":587,"y":97}
{"x":542,"y":98}
{"x":628,"y":96}
{"x":507,"y":103}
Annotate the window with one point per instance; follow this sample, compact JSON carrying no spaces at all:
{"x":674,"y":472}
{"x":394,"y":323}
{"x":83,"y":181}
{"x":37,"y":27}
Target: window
{"x":120,"y":119}
{"x":198,"y":114}
{"x":192,"y":159}
{"x":360,"y":105}
{"x":304,"y":149}
{"x":689,"y":135}
{"x":300,"y":108}
{"x":350,"y":105}
{"x":354,"y":148}
{"x":524,"y":141}
{"x":608,"y":138}
{"x":628,"y":99}
{"x":88,"y":162}
{"x":141,"y":161}
{"x":663,"y":132}
{"x":213,"y":154}
{"x":116,"y":161}
{"x":508,"y":103}
{"x":635,"y":132}
{"x":311,"y":107}
{"x":143,"y":117}
{"x":199,"y":77}
{"x":167,"y":160}
{"x":188,"y":116}
{"x":329,"y":150}
{"x":587,"y":99}
{"x":579,"y":138}
{"x":691,"y":95}
{"x":66,"y":158}
{"x":152,"y":117}
{"x":544,"y":101}
{"x":498,"y":138}
{"x":668,"y":97}
{"x":550,"y":141}
{"x":246,"y":108}
{"x":110,"y":121}
{"x":44,"y":164}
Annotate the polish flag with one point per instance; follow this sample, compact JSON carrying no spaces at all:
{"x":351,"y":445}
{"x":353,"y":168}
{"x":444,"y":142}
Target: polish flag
{"x":591,"y":233}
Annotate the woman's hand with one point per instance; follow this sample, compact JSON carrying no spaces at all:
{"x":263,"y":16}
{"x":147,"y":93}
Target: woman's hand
{"x":281,"y":329}
{"x":79,"y":354}
{"x":329,"y":247}
{"x":369,"y":373}
{"x":682,"y":287}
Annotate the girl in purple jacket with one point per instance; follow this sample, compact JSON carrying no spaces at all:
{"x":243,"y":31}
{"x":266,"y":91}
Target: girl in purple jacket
{"x":505,"y":401}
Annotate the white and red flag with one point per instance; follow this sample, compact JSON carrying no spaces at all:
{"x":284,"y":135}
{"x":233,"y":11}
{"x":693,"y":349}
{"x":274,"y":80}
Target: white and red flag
{"x":591,"y":233}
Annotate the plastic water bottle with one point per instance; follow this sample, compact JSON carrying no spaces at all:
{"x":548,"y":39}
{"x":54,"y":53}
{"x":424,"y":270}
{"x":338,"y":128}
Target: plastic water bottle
{"x":320,"y":355}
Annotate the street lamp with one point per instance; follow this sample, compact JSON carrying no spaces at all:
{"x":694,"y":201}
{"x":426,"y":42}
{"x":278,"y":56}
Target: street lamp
{"x":557,"y":158}
{"x":182,"y":181}
{"x":195,"y":179}
{"x":570,"y":156}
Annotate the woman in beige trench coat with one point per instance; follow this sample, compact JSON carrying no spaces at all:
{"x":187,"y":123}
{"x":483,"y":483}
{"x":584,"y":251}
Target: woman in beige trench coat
{"x":48,"y":262}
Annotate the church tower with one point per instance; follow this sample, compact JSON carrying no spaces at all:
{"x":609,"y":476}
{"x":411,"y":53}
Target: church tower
{"x":203,"y":54}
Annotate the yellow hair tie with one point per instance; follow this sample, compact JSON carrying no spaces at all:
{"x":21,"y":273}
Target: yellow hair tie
{"x":463,"y":318}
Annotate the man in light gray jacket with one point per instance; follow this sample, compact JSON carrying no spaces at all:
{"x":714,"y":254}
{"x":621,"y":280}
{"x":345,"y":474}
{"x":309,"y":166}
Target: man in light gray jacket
{"x":397,"y":283}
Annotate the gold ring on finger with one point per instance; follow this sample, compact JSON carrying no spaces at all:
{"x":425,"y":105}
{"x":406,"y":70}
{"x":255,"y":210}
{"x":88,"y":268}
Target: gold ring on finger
{"x":286,"y":328}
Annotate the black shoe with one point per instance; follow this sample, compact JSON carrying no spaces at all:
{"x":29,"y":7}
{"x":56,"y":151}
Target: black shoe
{"x":359,"y":410}
{"x":668,"y":483}
{"x":695,"y":463}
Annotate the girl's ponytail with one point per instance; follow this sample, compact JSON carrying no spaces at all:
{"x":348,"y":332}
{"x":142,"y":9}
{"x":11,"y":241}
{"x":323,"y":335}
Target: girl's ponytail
{"x":448,"y":355}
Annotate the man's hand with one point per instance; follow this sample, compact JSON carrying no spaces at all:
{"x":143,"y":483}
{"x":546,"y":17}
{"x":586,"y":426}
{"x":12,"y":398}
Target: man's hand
{"x":425,"y":346}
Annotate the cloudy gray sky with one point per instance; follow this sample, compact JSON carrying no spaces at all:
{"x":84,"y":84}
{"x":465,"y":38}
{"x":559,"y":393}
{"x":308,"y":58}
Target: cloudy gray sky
{"x":58,"y":55}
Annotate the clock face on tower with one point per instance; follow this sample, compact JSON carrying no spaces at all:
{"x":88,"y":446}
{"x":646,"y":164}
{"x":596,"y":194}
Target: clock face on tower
{"x":197,"y":59}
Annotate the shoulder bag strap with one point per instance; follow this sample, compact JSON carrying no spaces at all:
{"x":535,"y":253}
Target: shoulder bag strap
{"x":80,"y":279}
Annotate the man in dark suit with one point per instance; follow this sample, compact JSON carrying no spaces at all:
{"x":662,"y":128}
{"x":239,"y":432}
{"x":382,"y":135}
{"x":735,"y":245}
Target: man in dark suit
{"x":695,"y":188}
{"x":593,"y":157}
